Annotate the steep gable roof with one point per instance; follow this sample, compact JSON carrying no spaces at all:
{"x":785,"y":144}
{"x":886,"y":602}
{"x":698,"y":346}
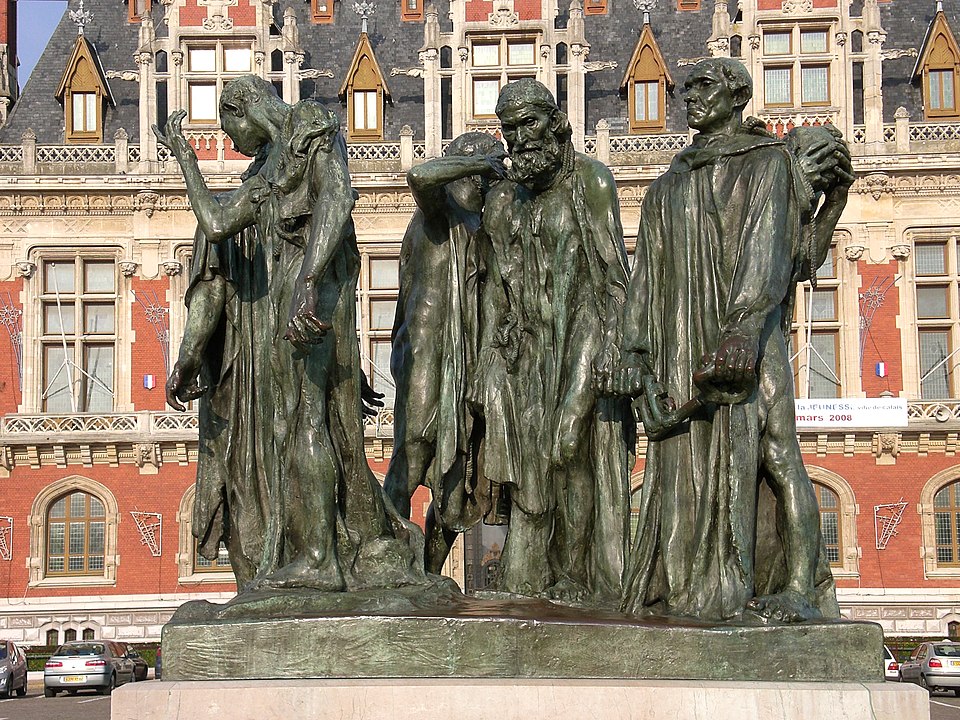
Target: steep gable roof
{"x":364,"y":51}
{"x":939,"y":28}
{"x":646,"y":40}
{"x":84,"y":52}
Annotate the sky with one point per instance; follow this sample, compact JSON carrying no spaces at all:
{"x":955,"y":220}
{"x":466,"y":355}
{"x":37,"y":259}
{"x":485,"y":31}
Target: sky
{"x":36,"y":21}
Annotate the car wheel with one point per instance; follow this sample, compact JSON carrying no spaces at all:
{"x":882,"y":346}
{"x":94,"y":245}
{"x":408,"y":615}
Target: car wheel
{"x":49,"y":692}
{"x":21,"y":691}
{"x":107,"y":689}
{"x":923,"y":684}
{"x":4,"y":694}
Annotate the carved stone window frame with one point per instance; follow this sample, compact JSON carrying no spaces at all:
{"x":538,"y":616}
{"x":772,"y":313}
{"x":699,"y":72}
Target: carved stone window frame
{"x":186,"y":547}
{"x":928,"y":530}
{"x":37,"y":528}
{"x":33,"y":374}
{"x":850,"y":551}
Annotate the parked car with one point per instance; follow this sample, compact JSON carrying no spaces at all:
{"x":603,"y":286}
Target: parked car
{"x":891,"y":668}
{"x":934,"y":666}
{"x":88,"y":664}
{"x":139,"y":664}
{"x":13,"y":670}
{"x":158,"y":664}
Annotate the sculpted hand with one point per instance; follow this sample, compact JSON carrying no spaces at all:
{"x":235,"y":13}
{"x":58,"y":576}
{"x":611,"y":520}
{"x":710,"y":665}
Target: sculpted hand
{"x":736,"y":360}
{"x":172,"y":135}
{"x":371,"y":400}
{"x":655,"y":408}
{"x":498,"y":170}
{"x":305,"y":326}
{"x":183,"y":385}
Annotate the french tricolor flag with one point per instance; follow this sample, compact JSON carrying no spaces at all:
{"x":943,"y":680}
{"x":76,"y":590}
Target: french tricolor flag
{"x":881,"y":369}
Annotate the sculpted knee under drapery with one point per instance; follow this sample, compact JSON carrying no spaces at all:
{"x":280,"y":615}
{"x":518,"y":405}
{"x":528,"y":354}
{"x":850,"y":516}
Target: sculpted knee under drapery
{"x":271,"y":351}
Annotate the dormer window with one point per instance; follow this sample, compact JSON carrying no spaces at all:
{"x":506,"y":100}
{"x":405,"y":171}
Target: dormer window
{"x":84,"y":92}
{"x":939,"y":67}
{"x":411,"y":10}
{"x":646,"y":84}
{"x":322,"y":11}
{"x":365,"y":93}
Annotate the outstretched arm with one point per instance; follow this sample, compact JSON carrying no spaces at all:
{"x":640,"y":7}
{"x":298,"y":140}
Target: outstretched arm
{"x":219,"y":219}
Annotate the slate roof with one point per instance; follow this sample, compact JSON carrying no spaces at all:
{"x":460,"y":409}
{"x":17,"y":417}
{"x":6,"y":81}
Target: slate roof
{"x":115,"y":41}
{"x":680,"y":35}
{"x":906,"y":23}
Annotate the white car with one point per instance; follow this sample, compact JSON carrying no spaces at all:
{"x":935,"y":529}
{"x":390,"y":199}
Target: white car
{"x":891,"y":668}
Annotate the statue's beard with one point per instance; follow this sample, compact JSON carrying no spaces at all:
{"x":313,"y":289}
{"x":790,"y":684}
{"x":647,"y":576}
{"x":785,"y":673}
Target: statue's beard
{"x":537,"y":162}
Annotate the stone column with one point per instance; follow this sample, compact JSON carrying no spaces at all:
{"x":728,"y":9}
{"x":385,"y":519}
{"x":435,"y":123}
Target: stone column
{"x":902,"y":119}
{"x":121,"y":148}
{"x":406,"y":148}
{"x":29,"y":142}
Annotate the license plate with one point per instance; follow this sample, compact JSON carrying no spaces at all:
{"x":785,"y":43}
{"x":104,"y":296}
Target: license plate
{"x":73,"y":679}
{"x":955,"y":663}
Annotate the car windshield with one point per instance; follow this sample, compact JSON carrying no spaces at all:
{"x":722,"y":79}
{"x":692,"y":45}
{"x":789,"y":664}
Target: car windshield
{"x":74,"y":650}
{"x":947,"y":650}
{"x":886,"y":653}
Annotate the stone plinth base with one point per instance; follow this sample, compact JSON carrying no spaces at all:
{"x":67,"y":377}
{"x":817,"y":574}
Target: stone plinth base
{"x":472,"y":638}
{"x":516,"y":700}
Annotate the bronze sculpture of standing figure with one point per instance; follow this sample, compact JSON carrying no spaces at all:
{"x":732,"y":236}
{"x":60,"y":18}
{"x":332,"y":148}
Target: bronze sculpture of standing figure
{"x":728,"y":519}
{"x":435,"y":338}
{"x":564,"y":453}
{"x":282,"y":477}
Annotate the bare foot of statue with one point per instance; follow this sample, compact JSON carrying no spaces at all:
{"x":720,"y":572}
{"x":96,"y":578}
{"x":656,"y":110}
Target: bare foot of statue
{"x":567,"y":590}
{"x":788,"y":606}
{"x":301,"y":573}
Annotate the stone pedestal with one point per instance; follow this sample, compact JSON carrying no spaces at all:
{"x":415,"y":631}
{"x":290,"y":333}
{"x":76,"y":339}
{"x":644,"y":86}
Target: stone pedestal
{"x":296,"y":636}
{"x":486,"y":699}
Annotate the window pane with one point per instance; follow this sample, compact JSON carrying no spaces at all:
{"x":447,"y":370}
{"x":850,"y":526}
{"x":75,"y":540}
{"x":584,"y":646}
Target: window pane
{"x":96,"y":538}
{"x":653,"y":101}
{"x":380,"y":378}
{"x":646,"y":101}
{"x":96,"y":507}
{"x":236,"y":59}
{"x":382,"y":313}
{"x":90,"y":112}
{"x":814,"y":85}
{"x":76,"y":119}
{"x":203,"y":102}
{"x":486,"y":55}
{"x":371,"y":103}
{"x":58,"y":278}
{"x":823,"y":366}
{"x":776,"y":86}
{"x":55,"y":538}
{"x":520,"y":54}
{"x":776,"y":43}
{"x":98,"y":318}
{"x":813,"y":41}
{"x":827,"y":269}
{"x":359,"y":110}
{"x":77,"y":537}
{"x":99,"y":277}
{"x":934,"y":373}
{"x":99,"y":379}
{"x":202,"y":59}
{"x":941,"y":89}
{"x":485,"y":94}
{"x":384,"y":273}
{"x":930,"y":258}
{"x":824,"y":305}
{"x":59,"y":508}
{"x":58,"y":318}
{"x":944,"y":536}
{"x":932,"y":301}
{"x":828,"y":499}
{"x":56,"y":388}
{"x":78,"y":505}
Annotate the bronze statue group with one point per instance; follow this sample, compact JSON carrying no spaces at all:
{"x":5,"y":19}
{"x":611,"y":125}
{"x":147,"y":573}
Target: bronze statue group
{"x":525,"y":350}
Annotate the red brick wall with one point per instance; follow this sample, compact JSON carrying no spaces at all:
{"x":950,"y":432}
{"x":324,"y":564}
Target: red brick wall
{"x":138,"y":571}
{"x":146,"y":353}
{"x":883,"y":340}
{"x":191,"y":15}
{"x":244,"y":14}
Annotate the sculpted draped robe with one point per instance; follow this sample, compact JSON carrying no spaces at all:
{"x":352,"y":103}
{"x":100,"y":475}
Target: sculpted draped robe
{"x":716,"y":252}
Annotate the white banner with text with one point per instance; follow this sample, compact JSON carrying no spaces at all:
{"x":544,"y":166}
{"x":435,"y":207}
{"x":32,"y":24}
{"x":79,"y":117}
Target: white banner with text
{"x":852,"y":412}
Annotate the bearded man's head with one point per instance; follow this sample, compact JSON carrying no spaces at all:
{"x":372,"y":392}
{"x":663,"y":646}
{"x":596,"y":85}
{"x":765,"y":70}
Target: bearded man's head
{"x":536,"y":130}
